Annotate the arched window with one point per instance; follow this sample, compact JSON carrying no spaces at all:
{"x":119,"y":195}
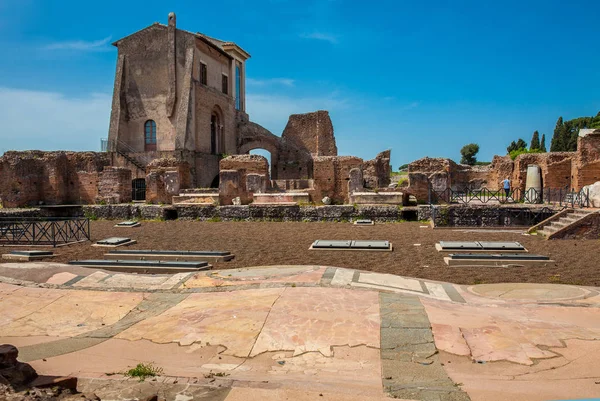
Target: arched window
{"x":216,"y":132}
{"x":150,"y":135}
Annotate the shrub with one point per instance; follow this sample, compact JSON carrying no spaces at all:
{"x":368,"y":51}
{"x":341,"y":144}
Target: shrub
{"x":144,"y":370}
{"x":514,"y":153}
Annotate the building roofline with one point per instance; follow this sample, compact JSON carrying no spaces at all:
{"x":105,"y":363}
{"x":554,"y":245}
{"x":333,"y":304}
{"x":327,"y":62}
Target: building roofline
{"x":217,"y":44}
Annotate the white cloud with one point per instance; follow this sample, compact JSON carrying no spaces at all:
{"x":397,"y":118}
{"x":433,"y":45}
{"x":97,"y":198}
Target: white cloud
{"x":327,"y":37}
{"x":52,"y":121}
{"x":272,"y":111}
{"x":80,"y":45}
{"x":270,"y":81}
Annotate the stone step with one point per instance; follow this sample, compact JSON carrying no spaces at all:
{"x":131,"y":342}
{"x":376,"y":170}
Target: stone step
{"x":558,"y":225}
{"x":547,"y":231}
{"x":581,"y":212}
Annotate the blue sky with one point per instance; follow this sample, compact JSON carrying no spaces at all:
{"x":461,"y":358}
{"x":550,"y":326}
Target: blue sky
{"x":421,"y":78}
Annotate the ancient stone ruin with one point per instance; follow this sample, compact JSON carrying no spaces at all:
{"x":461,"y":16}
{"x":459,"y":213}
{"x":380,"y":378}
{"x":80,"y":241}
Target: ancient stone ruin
{"x":568,"y":170}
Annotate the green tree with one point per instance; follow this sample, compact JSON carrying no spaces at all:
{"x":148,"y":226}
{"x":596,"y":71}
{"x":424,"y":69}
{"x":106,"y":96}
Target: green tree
{"x":535,"y":141}
{"x":521,"y":144}
{"x":556,"y":145}
{"x":511,"y":147}
{"x":543,"y":143}
{"x":468,"y":153}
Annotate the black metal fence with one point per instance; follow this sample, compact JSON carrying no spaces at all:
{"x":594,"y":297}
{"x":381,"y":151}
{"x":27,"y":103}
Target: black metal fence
{"x":43,"y":231}
{"x":562,"y":197}
{"x":489,"y":217}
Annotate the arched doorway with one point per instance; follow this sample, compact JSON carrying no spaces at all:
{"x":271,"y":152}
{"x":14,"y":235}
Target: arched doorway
{"x":264,"y":149}
{"x":138,"y":189}
{"x":266,"y":154}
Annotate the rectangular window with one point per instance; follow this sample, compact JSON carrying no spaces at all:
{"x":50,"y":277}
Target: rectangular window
{"x":238,"y":87}
{"x":203,"y":79}
{"x":225,"y":88}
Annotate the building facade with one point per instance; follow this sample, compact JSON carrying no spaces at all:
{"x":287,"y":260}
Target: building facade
{"x":176,"y":94}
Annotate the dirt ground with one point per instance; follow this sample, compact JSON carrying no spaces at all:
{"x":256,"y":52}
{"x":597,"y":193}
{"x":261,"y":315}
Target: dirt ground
{"x":287,"y":243}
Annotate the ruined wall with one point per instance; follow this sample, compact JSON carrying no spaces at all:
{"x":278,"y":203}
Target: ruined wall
{"x":289,"y":160}
{"x":376,"y":172}
{"x":166,"y":178}
{"x":30,"y":177}
{"x":500,"y":169}
{"x":311,"y":131}
{"x":555,"y":167}
{"x":241,"y":176}
{"x":586,"y":163}
{"x":332,"y":177}
{"x":422,"y":172}
{"x":114,"y":185}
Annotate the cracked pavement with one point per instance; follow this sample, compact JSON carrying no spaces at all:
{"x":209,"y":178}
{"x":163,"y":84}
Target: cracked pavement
{"x":302,"y":331}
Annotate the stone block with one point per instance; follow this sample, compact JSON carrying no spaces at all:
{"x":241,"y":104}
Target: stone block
{"x":241,"y":212}
{"x":151,"y":212}
{"x":356,"y":181}
{"x":336,"y":212}
{"x":277,"y":212}
{"x":379,"y":212}
{"x":256,"y":183}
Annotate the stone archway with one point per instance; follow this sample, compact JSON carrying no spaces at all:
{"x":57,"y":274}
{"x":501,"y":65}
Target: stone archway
{"x":273,"y":150}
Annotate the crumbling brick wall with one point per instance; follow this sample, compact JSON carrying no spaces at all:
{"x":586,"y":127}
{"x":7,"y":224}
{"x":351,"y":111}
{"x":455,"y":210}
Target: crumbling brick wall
{"x":500,"y":169}
{"x":377,"y":172}
{"x":241,"y":176}
{"x":114,"y":185}
{"x":586,"y":163}
{"x":311,"y":131}
{"x":32,"y":177}
{"x":555,"y":167}
{"x":166,"y":178}
{"x":427,"y":171}
{"x":332,"y":177}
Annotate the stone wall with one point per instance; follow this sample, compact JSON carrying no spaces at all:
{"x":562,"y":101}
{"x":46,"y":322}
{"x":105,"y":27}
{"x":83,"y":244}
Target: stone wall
{"x":114,"y":185}
{"x":555,"y":167}
{"x":311,"y":131}
{"x":241,"y":176}
{"x":586,"y":164}
{"x":332,"y":177}
{"x":333,"y":213}
{"x":33,"y":177}
{"x":166,"y":178}
{"x":559,"y":170}
{"x":377,"y":172}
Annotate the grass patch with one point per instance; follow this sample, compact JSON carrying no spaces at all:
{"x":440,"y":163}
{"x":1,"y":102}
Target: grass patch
{"x":143,"y":371}
{"x":214,"y":220}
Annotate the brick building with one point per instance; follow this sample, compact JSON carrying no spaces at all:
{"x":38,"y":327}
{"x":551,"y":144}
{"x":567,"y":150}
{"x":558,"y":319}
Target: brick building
{"x":177,"y":94}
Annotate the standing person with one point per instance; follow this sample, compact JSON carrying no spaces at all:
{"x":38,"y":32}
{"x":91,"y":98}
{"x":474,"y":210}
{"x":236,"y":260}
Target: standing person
{"x":506,"y":184}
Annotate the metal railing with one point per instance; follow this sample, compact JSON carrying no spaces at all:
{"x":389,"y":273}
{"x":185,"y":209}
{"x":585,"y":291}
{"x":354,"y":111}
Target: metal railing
{"x":489,"y":217}
{"x":128,"y":152}
{"x":43,"y":231}
{"x":562,"y":197}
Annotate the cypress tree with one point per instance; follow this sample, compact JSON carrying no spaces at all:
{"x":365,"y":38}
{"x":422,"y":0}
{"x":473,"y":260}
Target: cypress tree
{"x":557,"y":144}
{"x":535,"y":141}
{"x":543,"y":143}
{"x":521,"y":144}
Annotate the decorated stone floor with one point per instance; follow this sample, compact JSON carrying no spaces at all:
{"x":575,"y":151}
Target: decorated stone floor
{"x":303,"y":332}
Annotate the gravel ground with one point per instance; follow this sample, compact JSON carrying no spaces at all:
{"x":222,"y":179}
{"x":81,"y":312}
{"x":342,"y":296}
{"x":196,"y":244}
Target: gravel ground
{"x":287,"y":243}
